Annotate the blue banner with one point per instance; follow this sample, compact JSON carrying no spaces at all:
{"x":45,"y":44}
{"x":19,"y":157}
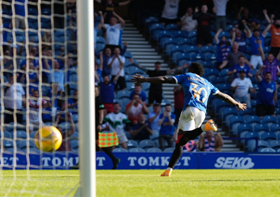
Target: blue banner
{"x":62,"y":160}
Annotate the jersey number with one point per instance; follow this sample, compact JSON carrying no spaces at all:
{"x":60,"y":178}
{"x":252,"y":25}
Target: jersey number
{"x":197,"y":94}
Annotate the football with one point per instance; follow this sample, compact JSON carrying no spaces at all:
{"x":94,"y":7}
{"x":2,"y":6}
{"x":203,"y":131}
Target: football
{"x":48,"y":139}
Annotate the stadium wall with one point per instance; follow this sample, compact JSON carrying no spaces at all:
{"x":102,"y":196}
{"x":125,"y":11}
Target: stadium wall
{"x":145,"y":161}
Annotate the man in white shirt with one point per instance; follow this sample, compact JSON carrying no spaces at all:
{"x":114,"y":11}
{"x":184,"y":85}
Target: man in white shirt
{"x":220,"y":9}
{"x":154,"y":117}
{"x":14,"y":100}
{"x":115,"y":63}
{"x":114,"y":32}
{"x":170,"y":11}
{"x":115,"y":122}
{"x":188,"y":23}
{"x":241,"y":86}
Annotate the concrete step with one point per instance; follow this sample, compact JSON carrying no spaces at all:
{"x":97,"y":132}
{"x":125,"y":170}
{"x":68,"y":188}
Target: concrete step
{"x":130,"y":32}
{"x":132,"y":36}
{"x":131,"y":42}
{"x":154,"y":57}
{"x":229,"y":146}
{"x":149,"y":61}
{"x":132,"y":46}
{"x":128,"y":39}
{"x":143,"y":53}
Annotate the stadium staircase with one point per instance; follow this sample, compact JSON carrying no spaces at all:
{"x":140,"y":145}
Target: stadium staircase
{"x":146,"y":55}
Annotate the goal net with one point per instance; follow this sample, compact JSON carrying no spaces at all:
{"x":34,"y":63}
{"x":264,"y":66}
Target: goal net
{"x":38,"y":88}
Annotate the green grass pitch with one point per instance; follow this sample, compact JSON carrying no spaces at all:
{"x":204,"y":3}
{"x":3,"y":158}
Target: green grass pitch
{"x":134,"y":183}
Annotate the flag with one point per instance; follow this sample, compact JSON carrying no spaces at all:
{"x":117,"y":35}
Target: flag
{"x":108,"y":139}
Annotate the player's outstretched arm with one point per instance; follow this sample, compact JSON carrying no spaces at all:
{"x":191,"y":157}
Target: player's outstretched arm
{"x":230,"y":100}
{"x":161,"y":79}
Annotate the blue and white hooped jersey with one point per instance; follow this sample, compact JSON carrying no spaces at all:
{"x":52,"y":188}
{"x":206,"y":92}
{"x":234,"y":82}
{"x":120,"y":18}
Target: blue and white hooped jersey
{"x":196,"y":89}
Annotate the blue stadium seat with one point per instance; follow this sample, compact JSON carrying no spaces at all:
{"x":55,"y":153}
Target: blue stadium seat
{"x":172,"y":27}
{"x":253,"y":119}
{"x":224,"y":87}
{"x":275,"y":144}
{"x":211,"y":71}
{"x":128,"y":135}
{"x":33,"y":23}
{"x":248,"y":111}
{"x":191,"y":49}
{"x":167,"y":41}
{"x":64,"y":125}
{"x":179,"y":34}
{"x":132,"y":144}
{"x":261,"y":144}
{"x":176,"y":48}
{"x":235,"y":119}
{"x":168,"y":49}
{"x":20,"y":134}
{"x":207,"y":49}
{"x":75,"y":118}
{"x":261,"y":127}
{"x":228,"y":111}
{"x":209,"y":56}
{"x":74,"y":144}
{"x":100,"y":47}
{"x":120,"y":150}
{"x":224,"y":33}
{"x":6,"y":134}
{"x":275,"y":128}
{"x":100,"y":40}
{"x":182,"y":56}
{"x":229,"y":27}
{"x":163,"y":34}
{"x":187,"y":41}
{"x":145,"y":144}
{"x":267,"y":150}
{"x":169,"y":150}
{"x":146,"y":86}
{"x":124,"y":103}
{"x":156,"y":26}
{"x":268,"y":136}
{"x":224,"y":72}
{"x":269,"y":119}
{"x":123,"y":94}
{"x":194,"y":56}
{"x":46,"y":23}
{"x":75,"y":135}
{"x":155,"y":135}
{"x":136,"y":150}
{"x":23,"y":144}
{"x":244,"y":128}
{"x":129,"y":86}
{"x":251,"y":135}
{"x":192,"y":34}
{"x":154,"y":150}
{"x":11,"y":126}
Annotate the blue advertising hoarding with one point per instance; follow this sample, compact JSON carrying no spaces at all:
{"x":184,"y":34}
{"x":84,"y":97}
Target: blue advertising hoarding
{"x":144,"y":161}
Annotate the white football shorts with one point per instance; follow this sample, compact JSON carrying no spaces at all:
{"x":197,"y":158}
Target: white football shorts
{"x":190,"y":119}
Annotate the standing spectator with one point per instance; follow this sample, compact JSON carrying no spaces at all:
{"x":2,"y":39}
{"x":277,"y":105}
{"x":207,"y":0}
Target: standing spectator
{"x":35,"y":103}
{"x":154,"y":117}
{"x":98,"y":27}
{"x":256,"y":59}
{"x":170,"y":12}
{"x":107,"y":88}
{"x":116,"y":63}
{"x":241,"y":87}
{"x":187,"y":21}
{"x":179,"y":100}
{"x":14,"y":100}
{"x":270,"y":63}
{"x":140,"y":130}
{"x":275,"y":34}
{"x":138,"y":90}
{"x":240,"y":38}
{"x":134,"y":108}
{"x":223,"y":49}
{"x":166,"y":121}
{"x":114,"y":32}
{"x":244,"y":14}
{"x":109,"y":6}
{"x":235,"y":69}
{"x":210,"y":142}
{"x":267,"y":94}
{"x":115,"y":122}
{"x":204,"y":26}
{"x":233,"y":57}
{"x":220,"y":9}
{"x":155,"y":92}
{"x":20,"y":13}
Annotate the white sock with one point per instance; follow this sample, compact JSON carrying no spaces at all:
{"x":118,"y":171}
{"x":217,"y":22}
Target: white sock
{"x":169,"y":169}
{"x":203,"y":128}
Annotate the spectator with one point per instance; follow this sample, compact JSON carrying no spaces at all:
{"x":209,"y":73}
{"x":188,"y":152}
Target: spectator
{"x":73,"y":103}
{"x":138,"y":90}
{"x":153,"y":117}
{"x":240,"y":38}
{"x":14,"y":100}
{"x":275,"y":34}
{"x":20,"y":13}
{"x":98,"y":68}
{"x":35,"y":103}
{"x":220,"y":10}
{"x":191,"y":146}
{"x":115,"y":122}
{"x":107,"y":91}
{"x":223,"y":49}
{"x":65,"y":146}
{"x":166,"y":121}
{"x":141,"y":131}
{"x":114,"y":32}
{"x":233,"y":56}
{"x":116,"y":63}
{"x":155,"y":91}
{"x":241,"y":87}
{"x":256,"y":59}
{"x":170,"y":11}
{"x":33,"y":77}
{"x":210,"y":142}
{"x":204,"y":26}
{"x":235,"y":69}
{"x":244,"y":16}
{"x":187,"y":21}
{"x":179,"y":100}
{"x":109,"y":6}
{"x":98,"y":27}
{"x":46,"y":40}
{"x":270,"y":63}
{"x":267,"y":94}
{"x":134,"y":108}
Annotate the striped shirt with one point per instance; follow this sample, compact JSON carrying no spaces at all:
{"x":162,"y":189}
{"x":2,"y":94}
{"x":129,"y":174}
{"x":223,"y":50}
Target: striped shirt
{"x":209,"y":147}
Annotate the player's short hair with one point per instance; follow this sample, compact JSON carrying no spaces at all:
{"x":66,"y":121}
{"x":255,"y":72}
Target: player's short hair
{"x":242,"y":71}
{"x":156,"y":105}
{"x":167,"y":105}
{"x":138,"y":84}
{"x":157,"y":62}
{"x":116,"y":103}
{"x":196,"y":68}
{"x":268,"y":73}
{"x":97,"y":86}
{"x":136,"y":94}
{"x":241,"y":56}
